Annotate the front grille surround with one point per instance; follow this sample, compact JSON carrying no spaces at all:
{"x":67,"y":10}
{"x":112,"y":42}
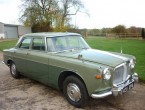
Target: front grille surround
{"x":121,"y":73}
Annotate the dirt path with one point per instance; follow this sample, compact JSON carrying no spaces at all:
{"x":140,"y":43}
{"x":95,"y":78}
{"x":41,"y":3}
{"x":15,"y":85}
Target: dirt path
{"x":26,"y":94}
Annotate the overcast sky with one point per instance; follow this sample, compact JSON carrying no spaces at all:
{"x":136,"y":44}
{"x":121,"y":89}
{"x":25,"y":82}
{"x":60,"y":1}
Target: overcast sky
{"x":102,"y":13}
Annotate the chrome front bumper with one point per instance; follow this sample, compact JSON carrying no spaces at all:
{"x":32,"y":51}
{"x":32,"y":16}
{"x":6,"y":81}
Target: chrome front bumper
{"x":118,"y":89}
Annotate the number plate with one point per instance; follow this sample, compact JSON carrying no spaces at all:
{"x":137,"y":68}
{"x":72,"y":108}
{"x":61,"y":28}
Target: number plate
{"x":130,"y":86}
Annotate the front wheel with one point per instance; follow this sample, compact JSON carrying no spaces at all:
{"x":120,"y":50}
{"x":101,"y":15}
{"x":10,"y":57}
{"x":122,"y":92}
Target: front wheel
{"x":75,"y":91}
{"x":13,"y":71}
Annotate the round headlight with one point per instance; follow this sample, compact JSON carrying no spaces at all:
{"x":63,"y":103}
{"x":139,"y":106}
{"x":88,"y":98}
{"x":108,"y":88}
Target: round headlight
{"x":106,"y":74}
{"x":132,"y":64}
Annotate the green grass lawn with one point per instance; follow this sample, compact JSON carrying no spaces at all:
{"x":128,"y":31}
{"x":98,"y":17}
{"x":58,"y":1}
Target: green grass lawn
{"x":7,"y":44}
{"x":129,"y":46}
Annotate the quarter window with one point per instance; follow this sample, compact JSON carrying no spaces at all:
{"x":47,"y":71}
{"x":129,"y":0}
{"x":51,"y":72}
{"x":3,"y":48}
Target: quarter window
{"x":25,"y":43}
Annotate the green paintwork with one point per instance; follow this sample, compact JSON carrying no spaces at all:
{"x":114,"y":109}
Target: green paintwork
{"x":46,"y":67}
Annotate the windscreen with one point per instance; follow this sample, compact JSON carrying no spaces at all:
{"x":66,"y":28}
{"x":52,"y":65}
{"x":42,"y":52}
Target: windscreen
{"x":62,"y":43}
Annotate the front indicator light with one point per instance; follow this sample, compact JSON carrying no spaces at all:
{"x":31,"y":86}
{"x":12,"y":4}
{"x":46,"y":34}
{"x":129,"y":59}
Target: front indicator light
{"x":98,"y":76}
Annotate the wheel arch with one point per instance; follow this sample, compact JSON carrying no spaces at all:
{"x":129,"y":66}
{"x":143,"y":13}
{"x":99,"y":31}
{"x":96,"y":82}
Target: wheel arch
{"x":9,"y":62}
{"x":65,"y":74}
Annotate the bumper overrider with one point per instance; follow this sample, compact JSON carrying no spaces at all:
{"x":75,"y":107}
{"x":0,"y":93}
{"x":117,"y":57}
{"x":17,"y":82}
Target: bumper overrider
{"x":119,"y":89}
{"x":2,"y":62}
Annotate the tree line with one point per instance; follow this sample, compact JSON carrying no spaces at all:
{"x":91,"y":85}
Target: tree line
{"x":119,"y":30}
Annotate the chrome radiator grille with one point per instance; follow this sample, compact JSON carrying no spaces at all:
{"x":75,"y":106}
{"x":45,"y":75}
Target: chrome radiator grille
{"x":121,"y":73}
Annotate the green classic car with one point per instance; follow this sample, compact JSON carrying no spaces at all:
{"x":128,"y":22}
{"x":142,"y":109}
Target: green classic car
{"x":66,"y":62}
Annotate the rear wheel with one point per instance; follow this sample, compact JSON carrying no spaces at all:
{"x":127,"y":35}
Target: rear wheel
{"x":13,"y":71}
{"x":75,"y":91}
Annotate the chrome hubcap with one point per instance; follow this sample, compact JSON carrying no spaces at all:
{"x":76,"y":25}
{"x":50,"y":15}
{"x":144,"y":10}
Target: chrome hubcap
{"x":73,"y":92}
{"x":13,"y":69}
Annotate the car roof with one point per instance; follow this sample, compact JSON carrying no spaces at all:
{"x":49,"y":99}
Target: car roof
{"x":50,"y":34}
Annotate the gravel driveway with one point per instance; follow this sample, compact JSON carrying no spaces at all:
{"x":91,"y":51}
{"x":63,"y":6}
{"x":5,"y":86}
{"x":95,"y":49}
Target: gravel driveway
{"x":26,"y":94}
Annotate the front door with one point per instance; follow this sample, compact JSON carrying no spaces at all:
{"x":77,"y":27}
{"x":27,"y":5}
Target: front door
{"x":37,"y":64}
{"x":20,"y":55}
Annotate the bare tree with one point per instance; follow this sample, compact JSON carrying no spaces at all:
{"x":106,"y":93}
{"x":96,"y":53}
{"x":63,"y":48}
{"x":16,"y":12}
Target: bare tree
{"x":68,"y":6}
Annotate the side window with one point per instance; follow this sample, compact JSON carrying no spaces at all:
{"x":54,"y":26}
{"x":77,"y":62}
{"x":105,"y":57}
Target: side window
{"x":38,"y":44}
{"x":25,"y":43}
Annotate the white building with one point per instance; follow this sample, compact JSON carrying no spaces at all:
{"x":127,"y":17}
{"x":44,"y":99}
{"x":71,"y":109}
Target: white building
{"x":13,"y":31}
